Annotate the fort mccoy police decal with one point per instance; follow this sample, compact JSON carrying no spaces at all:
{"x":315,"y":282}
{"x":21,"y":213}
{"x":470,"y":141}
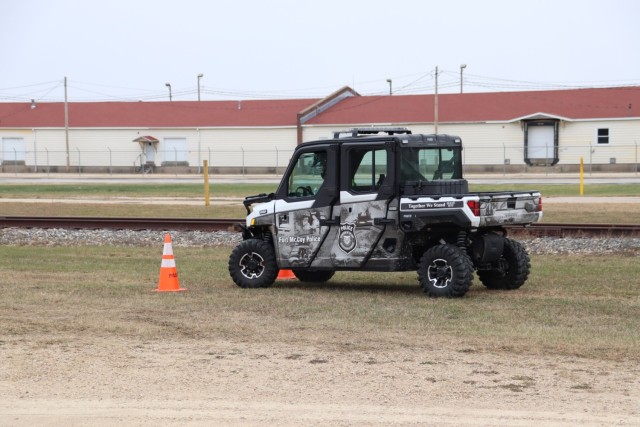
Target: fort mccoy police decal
{"x":347,"y":237}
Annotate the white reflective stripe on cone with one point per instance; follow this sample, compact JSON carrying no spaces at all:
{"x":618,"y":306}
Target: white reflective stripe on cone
{"x":168,"y":263}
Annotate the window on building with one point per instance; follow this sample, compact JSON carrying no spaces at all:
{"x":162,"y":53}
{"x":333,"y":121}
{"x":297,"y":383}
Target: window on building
{"x":603,"y":136}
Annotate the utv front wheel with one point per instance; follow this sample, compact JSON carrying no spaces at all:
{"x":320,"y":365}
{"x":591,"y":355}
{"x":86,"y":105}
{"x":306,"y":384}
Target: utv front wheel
{"x":313,"y":276}
{"x":445,"y":271}
{"x":510,"y":271}
{"x":252,"y":264}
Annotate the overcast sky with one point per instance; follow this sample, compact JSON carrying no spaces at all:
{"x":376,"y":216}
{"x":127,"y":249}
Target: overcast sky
{"x":128,"y":50}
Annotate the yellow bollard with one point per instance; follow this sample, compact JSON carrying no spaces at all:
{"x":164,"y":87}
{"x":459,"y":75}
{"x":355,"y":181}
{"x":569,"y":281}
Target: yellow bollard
{"x":206,"y":183}
{"x":581,"y":177}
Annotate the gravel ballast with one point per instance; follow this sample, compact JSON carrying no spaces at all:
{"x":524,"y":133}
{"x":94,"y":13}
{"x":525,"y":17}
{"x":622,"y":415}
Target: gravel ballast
{"x":104,"y":237}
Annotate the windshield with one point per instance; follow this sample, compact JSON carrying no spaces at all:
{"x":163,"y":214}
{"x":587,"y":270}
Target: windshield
{"x":430,"y":164}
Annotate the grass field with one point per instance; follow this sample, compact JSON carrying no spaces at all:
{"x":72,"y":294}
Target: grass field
{"x":242,"y":190}
{"x":580,"y":306}
{"x":557,"y":212}
{"x":132,"y":190}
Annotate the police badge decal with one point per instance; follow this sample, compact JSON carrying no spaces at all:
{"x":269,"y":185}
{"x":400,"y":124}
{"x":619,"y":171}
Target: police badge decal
{"x":347,"y":237}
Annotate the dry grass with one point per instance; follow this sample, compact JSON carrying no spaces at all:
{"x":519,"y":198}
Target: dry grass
{"x":590,"y":213}
{"x":583,"y":306}
{"x":553,"y":212}
{"x":51,"y":205}
{"x":137,"y":190}
{"x":52,"y":193}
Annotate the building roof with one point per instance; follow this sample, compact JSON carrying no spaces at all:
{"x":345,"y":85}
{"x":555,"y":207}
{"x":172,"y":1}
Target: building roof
{"x":604,"y":103}
{"x":245,"y":113}
{"x":576,"y":104}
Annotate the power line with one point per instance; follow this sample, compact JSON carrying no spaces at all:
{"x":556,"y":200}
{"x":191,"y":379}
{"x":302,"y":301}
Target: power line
{"x":28,"y":96}
{"x":30,"y":85}
{"x":414,"y":83}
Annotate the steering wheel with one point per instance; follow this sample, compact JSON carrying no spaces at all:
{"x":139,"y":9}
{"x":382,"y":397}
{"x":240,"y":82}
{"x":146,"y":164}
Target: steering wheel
{"x":304,"y":191}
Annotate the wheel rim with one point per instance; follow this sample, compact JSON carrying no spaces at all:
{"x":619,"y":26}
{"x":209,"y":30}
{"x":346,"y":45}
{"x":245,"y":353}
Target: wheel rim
{"x":440,"y":273}
{"x":252,"y":265}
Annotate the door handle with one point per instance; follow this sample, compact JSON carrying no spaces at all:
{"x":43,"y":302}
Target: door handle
{"x":330,"y":222}
{"x":384,"y":221}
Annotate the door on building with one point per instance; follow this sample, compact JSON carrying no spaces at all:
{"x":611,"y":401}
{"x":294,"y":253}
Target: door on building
{"x":175,"y":152}
{"x":13,"y":151}
{"x":150,"y":153}
{"x":541,"y":143}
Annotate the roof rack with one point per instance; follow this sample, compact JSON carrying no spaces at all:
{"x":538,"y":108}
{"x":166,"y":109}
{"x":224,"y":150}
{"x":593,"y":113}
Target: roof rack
{"x":370,"y":131}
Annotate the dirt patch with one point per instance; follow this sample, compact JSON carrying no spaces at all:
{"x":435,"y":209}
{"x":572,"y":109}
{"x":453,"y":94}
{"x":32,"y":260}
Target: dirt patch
{"x":107,"y":380}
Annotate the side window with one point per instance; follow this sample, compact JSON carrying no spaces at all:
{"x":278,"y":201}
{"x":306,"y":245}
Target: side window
{"x":447,"y":167}
{"x":368,"y":169}
{"x":308,"y":174}
{"x":603,"y":135}
{"x":417,"y":164}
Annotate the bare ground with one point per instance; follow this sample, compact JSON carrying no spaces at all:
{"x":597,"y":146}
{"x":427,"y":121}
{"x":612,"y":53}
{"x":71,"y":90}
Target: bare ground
{"x":100,"y":381}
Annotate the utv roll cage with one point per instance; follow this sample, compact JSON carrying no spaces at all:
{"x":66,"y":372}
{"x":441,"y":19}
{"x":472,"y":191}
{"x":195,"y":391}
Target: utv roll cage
{"x":354,"y":132}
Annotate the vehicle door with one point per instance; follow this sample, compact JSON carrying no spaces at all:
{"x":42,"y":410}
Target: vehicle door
{"x":362,"y":212}
{"x":303,"y":206}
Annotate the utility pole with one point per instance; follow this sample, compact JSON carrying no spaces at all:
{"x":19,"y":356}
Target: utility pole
{"x":66,"y":123}
{"x":435,"y":113}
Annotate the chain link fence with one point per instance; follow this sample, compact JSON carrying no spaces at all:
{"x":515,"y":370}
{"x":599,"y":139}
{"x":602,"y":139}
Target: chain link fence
{"x":499,"y":158}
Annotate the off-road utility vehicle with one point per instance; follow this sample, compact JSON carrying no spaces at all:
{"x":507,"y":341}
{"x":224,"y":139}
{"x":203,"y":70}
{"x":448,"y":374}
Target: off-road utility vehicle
{"x":384,"y":200}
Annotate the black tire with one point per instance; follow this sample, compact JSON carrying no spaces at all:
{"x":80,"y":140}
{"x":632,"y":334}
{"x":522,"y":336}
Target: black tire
{"x":510,"y":271}
{"x":252,"y":264}
{"x":445,"y":271}
{"x":313,"y":276}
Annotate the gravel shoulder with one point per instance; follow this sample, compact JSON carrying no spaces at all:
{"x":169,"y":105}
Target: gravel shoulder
{"x":104,"y":382}
{"x":63,"y":237}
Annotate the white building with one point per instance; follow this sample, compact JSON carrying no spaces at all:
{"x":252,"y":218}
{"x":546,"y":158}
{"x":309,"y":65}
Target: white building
{"x":505,"y":131}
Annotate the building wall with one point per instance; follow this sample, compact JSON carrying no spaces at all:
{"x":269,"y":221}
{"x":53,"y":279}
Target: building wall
{"x":222,"y":147}
{"x":579,"y":139}
{"x":500,"y":143}
{"x":484,"y":143}
{"x":270,"y":148}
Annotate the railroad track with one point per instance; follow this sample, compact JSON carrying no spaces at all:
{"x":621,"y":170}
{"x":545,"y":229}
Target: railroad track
{"x":577,"y":230}
{"x":227,"y":224}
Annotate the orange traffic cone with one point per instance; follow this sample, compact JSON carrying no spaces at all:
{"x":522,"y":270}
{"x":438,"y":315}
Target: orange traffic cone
{"x":285,"y":275}
{"x":168,"y":281}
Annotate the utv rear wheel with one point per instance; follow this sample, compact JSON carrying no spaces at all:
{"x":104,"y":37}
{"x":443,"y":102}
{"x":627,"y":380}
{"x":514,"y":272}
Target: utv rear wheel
{"x":510,"y":271}
{"x":313,"y":276}
{"x":252,"y":264}
{"x":445,"y":271}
